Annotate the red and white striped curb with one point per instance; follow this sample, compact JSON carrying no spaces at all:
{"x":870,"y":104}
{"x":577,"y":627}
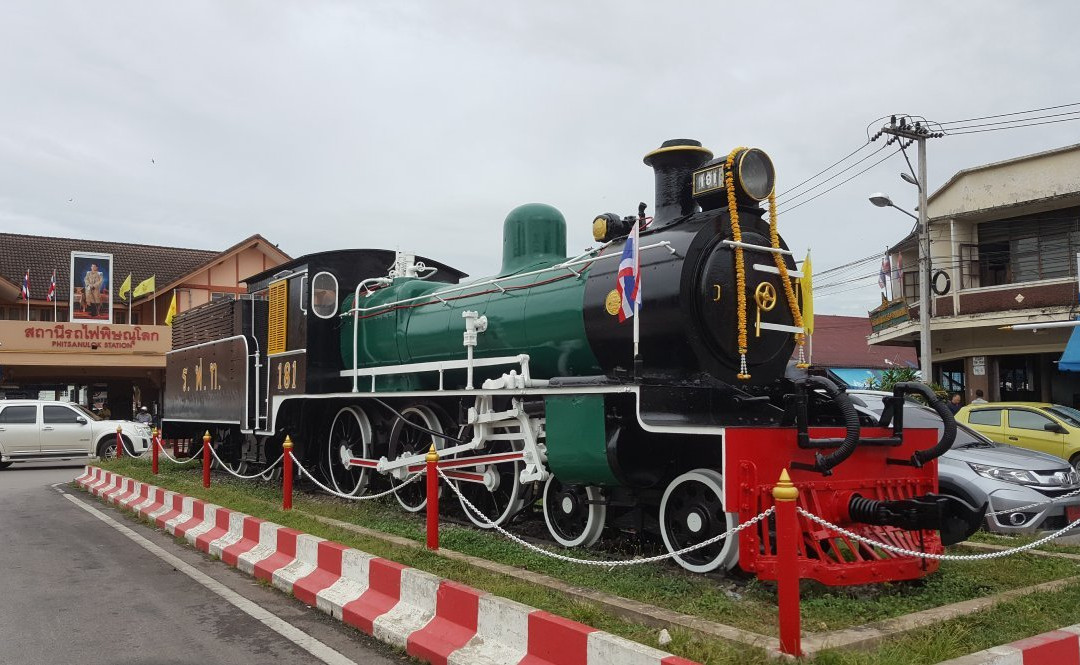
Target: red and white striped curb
{"x":1058,"y":647}
{"x":433,"y":619}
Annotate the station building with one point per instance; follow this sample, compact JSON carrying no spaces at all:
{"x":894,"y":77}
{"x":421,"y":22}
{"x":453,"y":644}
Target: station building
{"x":1005,"y":244}
{"x":120,"y":363}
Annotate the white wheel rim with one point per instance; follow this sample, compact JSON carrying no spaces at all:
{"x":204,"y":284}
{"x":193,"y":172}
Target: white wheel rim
{"x":729,"y":552}
{"x":594,"y":523}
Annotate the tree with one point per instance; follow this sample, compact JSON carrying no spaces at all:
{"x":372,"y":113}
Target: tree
{"x":891,"y":377}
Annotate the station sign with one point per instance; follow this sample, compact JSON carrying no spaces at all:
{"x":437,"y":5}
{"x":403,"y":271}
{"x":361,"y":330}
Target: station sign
{"x":94,"y":338}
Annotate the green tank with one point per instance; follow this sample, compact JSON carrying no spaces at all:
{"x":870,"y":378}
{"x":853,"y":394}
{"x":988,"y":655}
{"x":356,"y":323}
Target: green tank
{"x":539,"y":315}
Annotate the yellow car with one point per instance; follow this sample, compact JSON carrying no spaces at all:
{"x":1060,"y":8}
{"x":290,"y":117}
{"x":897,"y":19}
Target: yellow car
{"x":1048,"y":428}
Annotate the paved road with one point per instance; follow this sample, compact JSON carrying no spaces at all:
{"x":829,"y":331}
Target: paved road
{"x":75,"y":589}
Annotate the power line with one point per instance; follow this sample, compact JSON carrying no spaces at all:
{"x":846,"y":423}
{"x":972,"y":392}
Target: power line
{"x":1004,"y":115}
{"x":836,"y":293}
{"x":846,"y":269}
{"x":997,"y":129}
{"x":835,"y":175}
{"x":822,"y":171}
{"x":865,"y":258}
{"x":842,"y":182}
{"x":1007,"y":123}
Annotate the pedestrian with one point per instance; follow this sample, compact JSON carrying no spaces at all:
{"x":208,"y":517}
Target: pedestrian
{"x":143,"y":416}
{"x":978,"y":397}
{"x":954,"y":403}
{"x":105,"y":413}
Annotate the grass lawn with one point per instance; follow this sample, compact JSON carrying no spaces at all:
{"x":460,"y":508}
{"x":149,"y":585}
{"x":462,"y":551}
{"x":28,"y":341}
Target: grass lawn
{"x":740,"y":601}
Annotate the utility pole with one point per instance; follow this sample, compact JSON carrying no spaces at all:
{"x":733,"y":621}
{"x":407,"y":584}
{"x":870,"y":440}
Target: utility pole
{"x":902,"y":130}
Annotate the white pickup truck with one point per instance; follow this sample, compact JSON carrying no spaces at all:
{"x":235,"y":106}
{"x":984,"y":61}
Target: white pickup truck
{"x":43,"y":430}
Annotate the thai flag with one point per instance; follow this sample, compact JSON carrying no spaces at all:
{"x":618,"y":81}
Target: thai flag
{"x":628,"y":281}
{"x":51,"y":295}
{"x":26,"y":286}
{"x":883,"y":276}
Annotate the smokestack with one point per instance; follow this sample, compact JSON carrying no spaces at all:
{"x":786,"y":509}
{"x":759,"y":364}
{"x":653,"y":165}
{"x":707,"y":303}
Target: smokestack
{"x":673,"y":164}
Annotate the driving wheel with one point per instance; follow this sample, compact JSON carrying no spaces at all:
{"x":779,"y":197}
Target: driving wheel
{"x":574,"y":514}
{"x":499,"y":496}
{"x":407,"y":440}
{"x":350,"y":436}
{"x":692,"y":512}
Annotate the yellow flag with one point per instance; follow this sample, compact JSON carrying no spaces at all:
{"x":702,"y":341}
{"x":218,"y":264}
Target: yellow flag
{"x":807,"y":286}
{"x":172,"y":310}
{"x":144,"y":287}
{"x":124,"y":288}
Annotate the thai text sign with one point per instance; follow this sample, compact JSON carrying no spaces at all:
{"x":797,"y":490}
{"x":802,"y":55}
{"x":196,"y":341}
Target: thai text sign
{"x":44,"y":337}
{"x":207,"y":382}
{"x":889,"y":314}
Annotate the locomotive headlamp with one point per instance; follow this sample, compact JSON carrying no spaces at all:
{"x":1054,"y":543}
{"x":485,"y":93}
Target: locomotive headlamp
{"x":608,"y":226}
{"x":754,"y":174}
{"x":753,"y":171}
{"x":600,"y":228}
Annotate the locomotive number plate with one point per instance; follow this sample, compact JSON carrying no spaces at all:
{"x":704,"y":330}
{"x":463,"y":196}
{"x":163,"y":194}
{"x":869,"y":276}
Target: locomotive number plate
{"x":709,"y":180}
{"x":287,"y":373}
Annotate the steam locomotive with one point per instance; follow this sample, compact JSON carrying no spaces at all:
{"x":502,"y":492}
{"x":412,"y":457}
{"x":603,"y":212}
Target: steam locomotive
{"x":533,"y":388}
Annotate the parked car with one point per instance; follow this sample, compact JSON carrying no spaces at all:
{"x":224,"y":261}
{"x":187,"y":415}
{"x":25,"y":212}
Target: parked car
{"x":979,"y":470}
{"x":1048,"y":428}
{"x":43,"y":430}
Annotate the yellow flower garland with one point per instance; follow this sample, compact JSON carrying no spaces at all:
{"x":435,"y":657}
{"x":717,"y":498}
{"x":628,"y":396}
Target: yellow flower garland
{"x":740,"y":267}
{"x":796,"y":315}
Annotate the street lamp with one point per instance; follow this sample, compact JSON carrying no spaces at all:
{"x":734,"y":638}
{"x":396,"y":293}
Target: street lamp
{"x":883,"y":201}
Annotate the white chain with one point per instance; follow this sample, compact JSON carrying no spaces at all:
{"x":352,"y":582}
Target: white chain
{"x":176,"y":461}
{"x":606,"y":564}
{"x":937,"y":557}
{"x":351,"y":497}
{"x":1032,"y":505}
{"x":260,"y":473}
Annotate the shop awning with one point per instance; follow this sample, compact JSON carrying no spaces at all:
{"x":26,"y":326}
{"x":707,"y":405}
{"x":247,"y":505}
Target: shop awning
{"x":1070,"y":360}
{"x":855,"y":377}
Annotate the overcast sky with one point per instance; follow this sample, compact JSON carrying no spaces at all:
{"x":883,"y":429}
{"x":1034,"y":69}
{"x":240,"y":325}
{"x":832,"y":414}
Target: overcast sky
{"x":419,"y":125}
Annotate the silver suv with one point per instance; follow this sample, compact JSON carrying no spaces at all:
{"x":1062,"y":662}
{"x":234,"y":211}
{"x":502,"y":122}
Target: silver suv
{"x":43,"y":430}
{"x":1022,"y":486}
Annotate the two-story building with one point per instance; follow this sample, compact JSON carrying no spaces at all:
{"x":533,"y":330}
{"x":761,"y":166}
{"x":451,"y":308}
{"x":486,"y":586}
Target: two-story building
{"x":1005,"y":239}
{"x":117,"y":360}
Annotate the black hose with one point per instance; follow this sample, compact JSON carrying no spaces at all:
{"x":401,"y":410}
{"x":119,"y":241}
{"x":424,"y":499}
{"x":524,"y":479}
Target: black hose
{"x":416,"y":426}
{"x":826,"y":463}
{"x":921,"y":457}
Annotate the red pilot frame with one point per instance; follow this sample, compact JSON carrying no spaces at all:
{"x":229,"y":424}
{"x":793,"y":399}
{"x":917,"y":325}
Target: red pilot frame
{"x":753,"y":460}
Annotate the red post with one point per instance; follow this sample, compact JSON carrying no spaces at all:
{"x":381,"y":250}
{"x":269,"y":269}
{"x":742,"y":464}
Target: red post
{"x":119,"y":443}
{"x":788,"y":536}
{"x":206,"y":459}
{"x":154,"y":442}
{"x":286,"y":474}
{"x":432,"y":499}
